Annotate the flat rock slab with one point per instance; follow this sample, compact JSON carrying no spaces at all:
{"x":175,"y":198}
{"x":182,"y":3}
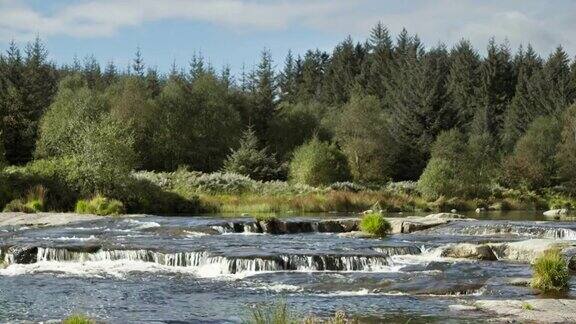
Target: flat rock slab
{"x":46,"y":219}
{"x":417,"y":223}
{"x":531,"y":310}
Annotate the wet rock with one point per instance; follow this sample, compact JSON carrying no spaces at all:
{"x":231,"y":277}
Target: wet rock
{"x":572,"y":263}
{"x":47,"y":219}
{"x":525,"y":251}
{"x":538,"y":311}
{"x":356,"y":234}
{"x":470,"y":251}
{"x":452,"y":215}
{"x":23,"y":254}
{"x":556,"y":212}
{"x":462,"y":308}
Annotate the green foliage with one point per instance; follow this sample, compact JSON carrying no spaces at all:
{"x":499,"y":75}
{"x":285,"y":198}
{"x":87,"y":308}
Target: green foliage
{"x":266,"y":218}
{"x":100,"y":205}
{"x":532,"y":163}
{"x":566,"y":156}
{"x":458,"y":168}
{"x":527,"y":306}
{"x":275,"y":313}
{"x":78,"y":319}
{"x":251,"y":161}
{"x":375,"y":224}
{"x":72,"y":111}
{"x":550,"y":272}
{"x":363,"y":133}
{"x":318,"y":163}
{"x":194,"y":125}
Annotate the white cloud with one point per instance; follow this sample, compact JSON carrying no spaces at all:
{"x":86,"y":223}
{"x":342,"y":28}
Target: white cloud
{"x":544,"y":24}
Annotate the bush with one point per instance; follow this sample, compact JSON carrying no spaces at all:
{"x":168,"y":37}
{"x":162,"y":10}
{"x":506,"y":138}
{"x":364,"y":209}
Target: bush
{"x":100,"y":205}
{"x":318,"y":163}
{"x":532,"y":163}
{"x":550,"y":272}
{"x":566,"y":156}
{"x":78,"y":319}
{"x":375,"y":224}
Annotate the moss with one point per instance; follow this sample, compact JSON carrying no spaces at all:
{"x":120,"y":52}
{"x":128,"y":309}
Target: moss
{"x":375,"y":224}
{"x":550,"y":272}
{"x":527,"y":306}
{"x":100,"y":205}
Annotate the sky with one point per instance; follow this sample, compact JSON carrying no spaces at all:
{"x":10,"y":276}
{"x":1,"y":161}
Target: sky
{"x":234,"y":32}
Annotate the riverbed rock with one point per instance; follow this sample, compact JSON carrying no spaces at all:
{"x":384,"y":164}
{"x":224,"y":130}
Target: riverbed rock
{"x":47,"y":219}
{"x":417,"y":223}
{"x":470,"y":251}
{"x":525,"y":251}
{"x":556,"y":212}
{"x":531,"y":310}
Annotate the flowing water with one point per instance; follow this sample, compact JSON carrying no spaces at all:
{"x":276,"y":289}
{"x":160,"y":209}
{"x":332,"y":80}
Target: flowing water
{"x":211,"y":269}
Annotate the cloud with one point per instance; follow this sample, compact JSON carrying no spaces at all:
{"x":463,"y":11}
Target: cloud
{"x":543,"y":24}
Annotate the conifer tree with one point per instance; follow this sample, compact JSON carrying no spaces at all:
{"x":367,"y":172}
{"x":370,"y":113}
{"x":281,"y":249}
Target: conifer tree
{"x":138,"y":64}
{"x":287,"y":80}
{"x":250,"y":160}
{"x":376,"y":67}
{"x":264,"y":96}
{"x":495,"y":91}
{"x":519,"y":114}
{"x":463,"y":81}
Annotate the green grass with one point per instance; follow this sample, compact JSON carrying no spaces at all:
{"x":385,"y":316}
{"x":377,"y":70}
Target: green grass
{"x":550,"y":272}
{"x":275,"y":313}
{"x":33,"y":203}
{"x":527,"y":306}
{"x":266,"y":218}
{"x":78,"y":319}
{"x":100,"y":205}
{"x":375,"y":224}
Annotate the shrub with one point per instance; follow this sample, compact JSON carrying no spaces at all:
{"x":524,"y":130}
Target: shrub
{"x":276,"y":313}
{"x":375,"y":224}
{"x":100,"y":205}
{"x":566,"y":156}
{"x":532,"y":163}
{"x":266,"y":218}
{"x":78,"y":319}
{"x":318,"y":163}
{"x":550,"y":272}
{"x":251,"y":161}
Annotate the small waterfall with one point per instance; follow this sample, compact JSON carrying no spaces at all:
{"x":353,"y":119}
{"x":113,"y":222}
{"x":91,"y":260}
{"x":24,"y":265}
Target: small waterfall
{"x":398,"y":250}
{"x":532,"y":231}
{"x":207,"y":263}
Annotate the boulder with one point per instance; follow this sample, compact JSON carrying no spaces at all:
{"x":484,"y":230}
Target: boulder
{"x":470,"y":251}
{"x":525,"y":251}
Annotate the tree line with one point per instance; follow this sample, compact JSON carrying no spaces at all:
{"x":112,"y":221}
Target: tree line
{"x":387,"y":107}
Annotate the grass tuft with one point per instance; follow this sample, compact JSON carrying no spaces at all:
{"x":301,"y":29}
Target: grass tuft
{"x":276,"y":313}
{"x":100,"y":205}
{"x":550,"y":272}
{"x":375,"y":224}
{"x":78,"y":319}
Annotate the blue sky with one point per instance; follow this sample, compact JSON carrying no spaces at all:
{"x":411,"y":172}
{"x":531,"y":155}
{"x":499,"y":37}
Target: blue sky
{"x":235,"y":31}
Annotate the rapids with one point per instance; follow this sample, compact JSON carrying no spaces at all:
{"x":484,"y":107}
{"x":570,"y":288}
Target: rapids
{"x":212,"y":269}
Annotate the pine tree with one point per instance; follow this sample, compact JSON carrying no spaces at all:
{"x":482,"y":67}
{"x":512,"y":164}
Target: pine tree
{"x":342,"y":72}
{"x":376,"y":67}
{"x":250,"y":160}
{"x":110,"y":74}
{"x":462,"y":83}
{"x":551,"y":89}
{"x":264,"y":96}
{"x":91,"y":72}
{"x":287,"y":80}
{"x":519,"y":115}
{"x":153,"y":84}
{"x":138,"y":64}
{"x":197,"y":66}
{"x":310,"y":74}
{"x":495,"y":91}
